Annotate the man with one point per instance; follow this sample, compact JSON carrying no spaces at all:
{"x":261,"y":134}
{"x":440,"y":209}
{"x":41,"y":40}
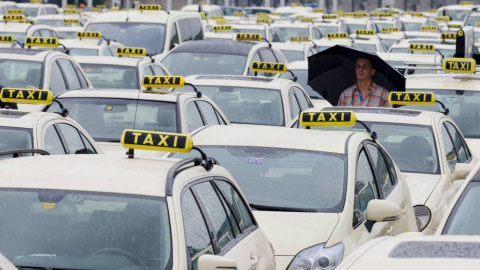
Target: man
{"x":365,"y":92}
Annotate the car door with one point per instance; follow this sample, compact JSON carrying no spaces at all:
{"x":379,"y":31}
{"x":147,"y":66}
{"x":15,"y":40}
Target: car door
{"x":218,"y":221}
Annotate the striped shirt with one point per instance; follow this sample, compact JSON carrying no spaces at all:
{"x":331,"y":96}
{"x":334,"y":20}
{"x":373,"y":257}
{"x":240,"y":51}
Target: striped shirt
{"x":377,"y":97}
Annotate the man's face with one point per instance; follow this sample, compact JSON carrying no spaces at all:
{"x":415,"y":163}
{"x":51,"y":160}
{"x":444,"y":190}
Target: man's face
{"x":363,"y":69}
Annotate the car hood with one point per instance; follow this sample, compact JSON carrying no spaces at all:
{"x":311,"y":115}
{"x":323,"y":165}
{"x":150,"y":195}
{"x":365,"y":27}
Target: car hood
{"x":421,"y":186}
{"x":291,"y":232}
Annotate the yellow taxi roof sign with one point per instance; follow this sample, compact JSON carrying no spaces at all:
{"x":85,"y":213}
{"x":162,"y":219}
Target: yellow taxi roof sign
{"x":6,"y":39}
{"x":466,"y":3}
{"x":201,"y":3}
{"x":360,"y":14}
{"x":248,"y":36}
{"x":421,"y":47}
{"x":299,"y":38}
{"x":417,"y":14}
{"x":41,"y":41}
{"x":269,"y":67}
{"x":159,"y":141}
{"x":296,"y":4}
{"x":15,"y":11}
{"x":448,"y":36}
{"x":319,"y":10}
{"x":263,"y":20}
{"x":71,"y":11}
{"x":218,"y":28}
{"x":96,"y":9}
{"x":411,"y":98}
{"x":134,"y":51}
{"x":390,"y":29}
{"x":21,"y":95}
{"x":70,"y":6}
{"x":71,"y":21}
{"x":327,"y":118}
{"x":433,"y":10}
{"x":89,"y":34}
{"x":381,"y":14}
{"x":365,"y":32}
{"x":215,"y":18}
{"x":429,"y":28}
{"x":12,"y":18}
{"x":477,"y":23}
{"x":462,"y":65}
{"x":393,"y":12}
{"x":238,"y":13}
{"x":337,"y":35}
{"x":307,"y":19}
{"x":261,"y":15}
{"x":454,"y":25}
{"x":443,"y":18}
{"x":35,"y":1}
{"x":163,"y":81}
{"x":221,"y":22}
{"x":115,"y":8}
{"x":143,"y":7}
{"x":203,"y":16}
{"x":329,"y":16}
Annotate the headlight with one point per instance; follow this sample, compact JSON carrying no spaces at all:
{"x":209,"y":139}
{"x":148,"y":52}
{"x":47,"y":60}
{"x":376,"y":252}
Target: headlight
{"x":318,"y":258}
{"x":422,"y":216}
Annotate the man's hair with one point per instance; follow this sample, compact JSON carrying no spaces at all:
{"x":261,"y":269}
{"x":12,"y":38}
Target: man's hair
{"x":369,"y":59}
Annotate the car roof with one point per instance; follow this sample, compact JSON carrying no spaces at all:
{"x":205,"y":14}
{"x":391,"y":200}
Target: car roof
{"x":109,"y":60}
{"x":233,"y":47}
{"x":124,"y":94}
{"x":86,"y":43}
{"x":262,"y":136}
{"x":138,"y":16}
{"x":22,"y":119}
{"x":453,"y":81}
{"x":25,"y":54}
{"x":237,"y":80}
{"x":15,"y":27}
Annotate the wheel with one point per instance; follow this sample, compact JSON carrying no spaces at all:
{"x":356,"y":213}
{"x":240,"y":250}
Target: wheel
{"x":120,"y":251}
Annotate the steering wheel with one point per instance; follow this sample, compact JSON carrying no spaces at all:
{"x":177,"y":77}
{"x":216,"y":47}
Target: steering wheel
{"x":120,"y":251}
{"x":406,"y":164}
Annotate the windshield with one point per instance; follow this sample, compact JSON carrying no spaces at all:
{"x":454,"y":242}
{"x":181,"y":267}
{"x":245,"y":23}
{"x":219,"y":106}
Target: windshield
{"x":14,"y":138}
{"x":150,"y":36}
{"x":83,"y":52}
{"x":84,"y":230}
{"x":412,"y":147}
{"x":293,"y":55}
{"x":444,"y":52}
{"x":302,"y":76}
{"x":245,"y":105}
{"x":367,"y":47}
{"x":67,"y":34}
{"x":327,"y":29}
{"x":187,"y":63}
{"x":30,"y":11}
{"x":111,"y":76}
{"x":105,"y":119}
{"x":456,"y":15}
{"x":465,"y":216}
{"x":471,"y":20}
{"x":464,"y":108}
{"x":353,"y":27}
{"x":284,"y":178}
{"x":381,"y":25}
{"x":389,"y":42}
{"x":412,"y":26}
{"x":52,"y":22}
{"x":20,"y":74}
{"x":20,"y":36}
{"x":285,"y":33}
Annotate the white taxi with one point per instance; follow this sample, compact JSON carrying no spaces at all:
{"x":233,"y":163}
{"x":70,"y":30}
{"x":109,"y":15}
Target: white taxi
{"x":297,"y":49}
{"x":16,"y":26}
{"x":26,"y":133}
{"x":32,"y":10}
{"x":103,"y":212}
{"x":90,"y":47}
{"x":317,"y":195}
{"x":286,"y":31}
{"x":106,"y":113}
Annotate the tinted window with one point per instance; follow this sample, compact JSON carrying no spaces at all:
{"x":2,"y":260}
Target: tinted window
{"x":194,"y":120}
{"x":72,"y":138}
{"x":190,"y":29}
{"x":380,"y":166}
{"x":221,"y":226}
{"x":451,"y":155}
{"x":111,"y":76}
{"x":159,"y":71}
{"x":57,"y":83}
{"x":52,"y":142}
{"x":208,"y":112}
{"x":196,"y":234}
{"x":81,"y":77}
{"x":462,"y":150}
{"x":365,"y":188}
{"x":70,"y":74}
{"x":242,"y":213}
{"x":89,"y":149}
{"x":302,"y":99}
{"x":14,"y":138}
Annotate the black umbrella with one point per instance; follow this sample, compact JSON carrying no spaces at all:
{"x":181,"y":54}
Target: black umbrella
{"x":333,"y":70}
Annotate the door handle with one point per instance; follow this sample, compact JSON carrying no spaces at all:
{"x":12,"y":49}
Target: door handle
{"x":390,"y":230}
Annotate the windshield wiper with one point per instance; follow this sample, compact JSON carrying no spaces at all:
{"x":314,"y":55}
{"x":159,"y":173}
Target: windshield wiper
{"x":20,"y":267}
{"x":277,"y":208}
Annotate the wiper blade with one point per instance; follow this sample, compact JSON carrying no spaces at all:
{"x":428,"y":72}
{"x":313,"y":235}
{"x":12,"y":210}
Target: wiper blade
{"x":277,"y":208}
{"x":21,"y":267}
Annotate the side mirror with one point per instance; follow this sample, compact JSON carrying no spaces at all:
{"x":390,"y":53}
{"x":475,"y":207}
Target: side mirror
{"x":381,"y":210}
{"x":208,"y":262}
{"x":462,"y":170}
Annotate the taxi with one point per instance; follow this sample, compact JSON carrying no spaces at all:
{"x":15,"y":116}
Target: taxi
{"x":209,"y":10}
{"x":32,"y":10}
{"x":407,"y":63}
{"x":68,"y":32}
{"x":27,"y":133}
{"x":120,"y":72}
{"x":85,"y":45}
{"x":267,"y":31}
{"x":219,"y":57}
{"x":415,"y":23}
{"x":5,"y":6}
{"x":456,"y":13}
{"x":413,"y":251}
{"x":58,"y":20}
{"x":297,"y":49}
{"x":129,"y":212}
{"x":426,"y":146}
{"x":16,"y":26}
{"x":253,"y":100}
{"x":155,"y":30}
{"x":106,"y":113}
{"x":318,"y":195}
{"x":286,"y":31}
{"x":422,"y":46}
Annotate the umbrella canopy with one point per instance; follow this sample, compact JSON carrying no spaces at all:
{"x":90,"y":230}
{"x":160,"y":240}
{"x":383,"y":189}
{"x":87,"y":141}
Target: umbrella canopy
{"x":333,"y":70}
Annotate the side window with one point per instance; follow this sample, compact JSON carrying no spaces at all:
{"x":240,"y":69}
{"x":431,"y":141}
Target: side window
{"x":450,"y":149}
{"x":184,"y":30}
{"x":52,"y":142}
{"x":266,"y":55}
{"x":316,"y":33}
{"x":80,"y":75}
{"x":196,"y":28}
{"x":89,"y":149}
{"x":294,"y":106}
{"x":197,"y":238}
{"x":380,"y":166}
{"x":57,"y":83}
{"x":194,"y":120}
{"x":73,"y":140}
{"x":106,"y":52}
{"x":147,"y":70}
{"x":36,"y":33}
{"x":460,"y":145}
{"x":174,"y":38}
{"x":302,"y":99}
{"x":275,"y":37}
{"x":209,"y":113}
{"x":159,"y":71}
{"x":70,"y":74}
{"x":365,"y":188}
{"x":280,"y":57}
{"x":215,"y":210}
{"x":240,"y":209}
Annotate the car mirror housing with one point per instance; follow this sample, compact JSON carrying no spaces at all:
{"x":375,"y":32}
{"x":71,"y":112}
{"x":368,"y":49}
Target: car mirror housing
{"x":462,"y":170}
{"x":381,"y":210}
{"x":207,"y":262}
